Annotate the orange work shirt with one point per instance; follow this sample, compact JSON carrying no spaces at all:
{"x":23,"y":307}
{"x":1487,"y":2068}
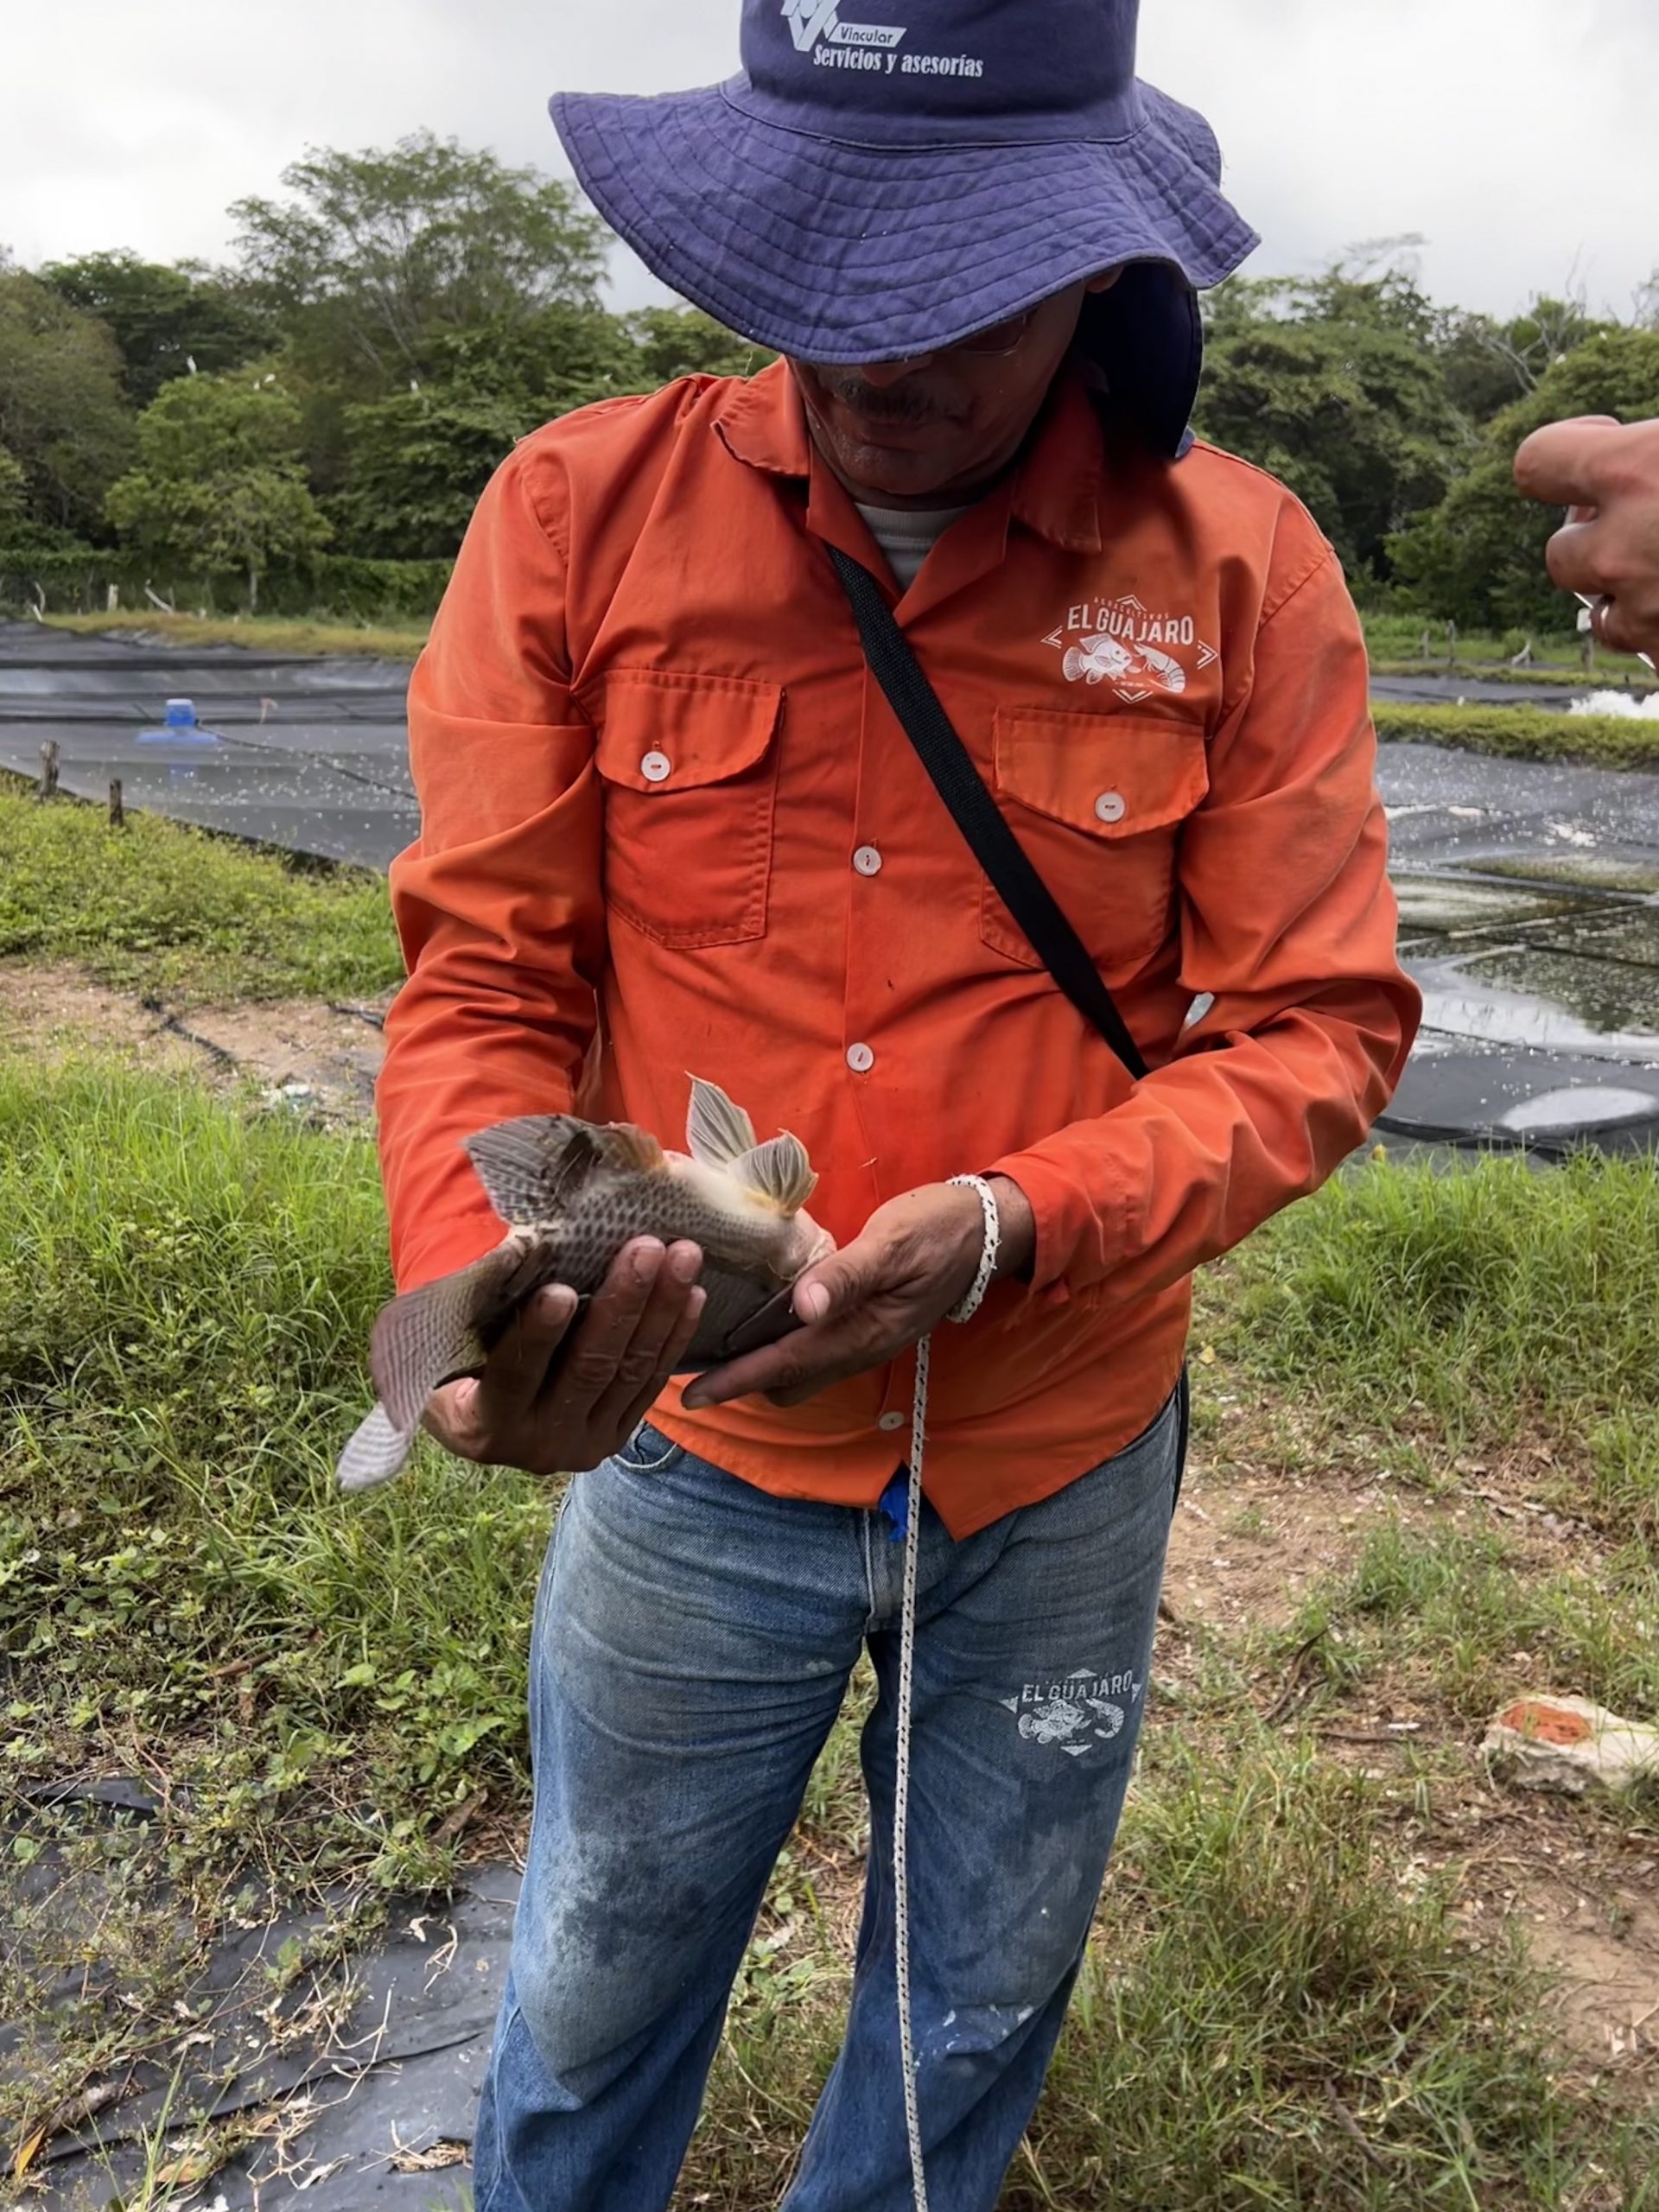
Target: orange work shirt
{"x":670,"y":826}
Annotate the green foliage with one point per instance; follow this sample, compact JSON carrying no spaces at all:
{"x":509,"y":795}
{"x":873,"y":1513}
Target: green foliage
{"x":13,"y":496}
{"x":62,"y":419}
{"x":1524,"y":733}
{"x":684,"y":342}
{"x":220,"y":483}
{"x":1332,"y":386}
{"x":194,"y":917}
{"x":417,"y":463}
{"x":374,"y":255}
{"x":1478,"y":558}
{"x":167,"y":321}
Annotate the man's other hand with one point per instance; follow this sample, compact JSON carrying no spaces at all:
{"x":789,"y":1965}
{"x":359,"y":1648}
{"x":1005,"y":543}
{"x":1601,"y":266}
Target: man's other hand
{"x":868,"y":1303}
{"x":554,"y":1398}
{"x":1607,"y":473}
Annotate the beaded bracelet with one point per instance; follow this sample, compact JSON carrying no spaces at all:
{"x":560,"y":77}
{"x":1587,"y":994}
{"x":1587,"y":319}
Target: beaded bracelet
{"x":967,"y":1306}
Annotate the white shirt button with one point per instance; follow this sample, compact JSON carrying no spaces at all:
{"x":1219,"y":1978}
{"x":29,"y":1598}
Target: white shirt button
{"x":655,"y":767}
{"x":860,"y":1058}
{"x":1109,"y":806}
{"x":867,"y":861}
{"x":890,"y":1421}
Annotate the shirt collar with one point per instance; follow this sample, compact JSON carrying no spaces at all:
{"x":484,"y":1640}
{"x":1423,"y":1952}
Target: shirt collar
{"x":1055,"y":488}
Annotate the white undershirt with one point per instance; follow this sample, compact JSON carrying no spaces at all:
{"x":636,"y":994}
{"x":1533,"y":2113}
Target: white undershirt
{"x":907,"y":536}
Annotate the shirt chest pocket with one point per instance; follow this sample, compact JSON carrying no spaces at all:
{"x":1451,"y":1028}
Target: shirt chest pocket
{"x":689,"y":766}
{"x":1098,"y":801}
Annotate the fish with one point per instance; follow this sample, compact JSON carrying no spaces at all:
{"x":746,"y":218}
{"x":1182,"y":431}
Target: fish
{"x":1097,"y":658}
{"x":573,"y":1193}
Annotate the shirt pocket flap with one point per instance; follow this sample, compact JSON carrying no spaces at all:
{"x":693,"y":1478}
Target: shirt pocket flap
{"x":664,"y":732}
{"x":1111,"y":775}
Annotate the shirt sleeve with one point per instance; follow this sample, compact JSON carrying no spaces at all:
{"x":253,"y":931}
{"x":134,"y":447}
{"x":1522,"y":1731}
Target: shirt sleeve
{"x":497,"y":904}
{"x":1288,"y":921}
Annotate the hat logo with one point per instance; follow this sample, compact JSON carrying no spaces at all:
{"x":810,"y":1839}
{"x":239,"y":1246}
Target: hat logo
{"x":810,"y":21}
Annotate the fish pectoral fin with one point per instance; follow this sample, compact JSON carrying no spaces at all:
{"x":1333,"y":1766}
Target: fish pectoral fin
{"x":622,"y":1146}
{"x":716,"y":1132}
{"x":780,"y":1170}
{"x":375,"y":1453}
{"x":429,"y":1334}
{"x":529,"y":1167}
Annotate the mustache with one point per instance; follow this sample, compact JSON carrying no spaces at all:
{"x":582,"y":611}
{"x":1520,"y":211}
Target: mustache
{"x":901,"y":405}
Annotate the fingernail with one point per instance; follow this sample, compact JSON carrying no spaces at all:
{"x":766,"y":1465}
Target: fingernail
{"x":812,"y":1301}
{"x":694,"y":1397}
{"x":685,"y":1262}
{"x":557,"y":1303}
{"x":647,"y":1261}
{"x":694,"y":1304}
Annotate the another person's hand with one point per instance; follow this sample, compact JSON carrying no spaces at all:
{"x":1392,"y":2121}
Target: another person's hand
{"x":867,"y":1304}
{"x":551,"y":1407}
{"x":1607,"y":473}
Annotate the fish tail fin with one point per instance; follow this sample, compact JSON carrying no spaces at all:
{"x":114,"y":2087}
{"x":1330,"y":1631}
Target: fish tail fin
{"x":430,"y":1333}
{"x":529,"y":1167}
{"x":376,"y":1451}
{"x":717,"y":1133}
{"x":779,"y":1170}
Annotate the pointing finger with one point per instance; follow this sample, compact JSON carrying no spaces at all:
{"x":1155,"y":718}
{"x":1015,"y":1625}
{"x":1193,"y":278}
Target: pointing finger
{"x":1561,"y":464}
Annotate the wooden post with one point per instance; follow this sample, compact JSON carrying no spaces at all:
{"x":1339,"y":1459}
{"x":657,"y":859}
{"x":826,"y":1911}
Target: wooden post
{"x":117,"y":813}
{"x":48,"y":770}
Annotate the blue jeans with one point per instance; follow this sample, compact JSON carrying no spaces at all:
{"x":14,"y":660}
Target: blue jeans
{"x":693,"y":1640}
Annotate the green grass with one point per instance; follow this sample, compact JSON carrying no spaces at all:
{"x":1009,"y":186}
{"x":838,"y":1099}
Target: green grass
{"x":158,"y":907}
{"x":1523,"y":732}
{"x":1475,"y":1299}
{"x":1269,"y":2016}
{"x":269,"y":633}
{"x":1464,"y":1618}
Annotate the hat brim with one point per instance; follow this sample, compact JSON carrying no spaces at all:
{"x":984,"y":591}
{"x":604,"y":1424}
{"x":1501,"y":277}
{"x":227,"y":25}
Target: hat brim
{"x":839,"y":253}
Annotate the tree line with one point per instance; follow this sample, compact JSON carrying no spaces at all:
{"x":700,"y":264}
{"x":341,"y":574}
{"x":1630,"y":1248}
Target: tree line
{"x":386,"y":327}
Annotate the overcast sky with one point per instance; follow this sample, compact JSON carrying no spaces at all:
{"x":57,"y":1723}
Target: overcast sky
{"x":1521,"y":137}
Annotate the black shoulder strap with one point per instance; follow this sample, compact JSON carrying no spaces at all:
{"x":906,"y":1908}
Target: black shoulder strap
{"x":976,"y":814}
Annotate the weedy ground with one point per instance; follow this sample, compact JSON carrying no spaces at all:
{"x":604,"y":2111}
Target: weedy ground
{"x":1338,"y":1964}
{"x":275,"y":634}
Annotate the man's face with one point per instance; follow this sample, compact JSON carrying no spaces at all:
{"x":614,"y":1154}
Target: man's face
{"x":922,"y":431}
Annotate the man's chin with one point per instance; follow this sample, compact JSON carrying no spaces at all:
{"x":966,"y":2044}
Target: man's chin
{"x":897,"y":472}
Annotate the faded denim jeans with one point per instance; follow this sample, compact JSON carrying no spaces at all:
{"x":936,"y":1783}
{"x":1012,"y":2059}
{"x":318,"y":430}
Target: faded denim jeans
{"x":692,"y":1643}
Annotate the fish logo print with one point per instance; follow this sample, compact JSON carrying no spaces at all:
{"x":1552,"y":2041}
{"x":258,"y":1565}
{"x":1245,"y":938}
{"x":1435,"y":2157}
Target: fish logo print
{"x":1076,"y":1713}
{"x":1124,"y":643}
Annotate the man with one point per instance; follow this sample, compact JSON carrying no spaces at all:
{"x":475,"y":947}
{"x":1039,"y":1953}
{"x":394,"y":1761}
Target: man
{"x":1606,"y":473}
{"x":671,"y":824}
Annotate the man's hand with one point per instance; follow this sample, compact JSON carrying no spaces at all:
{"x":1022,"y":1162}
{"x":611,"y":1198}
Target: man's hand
{"x":872,"y":1300}
{"x":1607,"y":473}
{"x":552,"y":1408}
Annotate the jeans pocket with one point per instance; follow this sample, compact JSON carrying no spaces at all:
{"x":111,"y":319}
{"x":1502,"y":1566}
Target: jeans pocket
{"x":647,"y":1452}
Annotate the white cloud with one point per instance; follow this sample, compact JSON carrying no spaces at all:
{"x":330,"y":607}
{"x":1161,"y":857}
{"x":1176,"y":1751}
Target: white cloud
{"x":1519,"y":136}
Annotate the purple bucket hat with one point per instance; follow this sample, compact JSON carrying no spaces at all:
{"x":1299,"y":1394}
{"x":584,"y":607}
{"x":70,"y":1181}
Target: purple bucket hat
{"x":865,"y":190}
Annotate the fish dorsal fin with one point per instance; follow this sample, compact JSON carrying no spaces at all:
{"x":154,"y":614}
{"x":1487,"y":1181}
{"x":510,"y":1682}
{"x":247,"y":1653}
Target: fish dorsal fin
{"x":530,"y":1167}
{"x":716,"y":1132}
{"x":622,"y":1146}
{"x":779,"y":1170}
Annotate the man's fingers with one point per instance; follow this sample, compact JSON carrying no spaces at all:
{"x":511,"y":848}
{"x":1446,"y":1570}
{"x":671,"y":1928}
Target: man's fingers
{"x":1573,"y":558}
{"x":588,"y":1367}
{"x":1561,"y":463}
{"x":512,"y":1374}
{"x":798,"y":1366}
{"x":646,"y":1361}
{"x":679,"y":1345}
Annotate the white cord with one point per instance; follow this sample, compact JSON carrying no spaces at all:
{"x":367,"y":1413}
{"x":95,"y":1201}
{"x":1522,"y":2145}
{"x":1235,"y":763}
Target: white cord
{"x":970,"y":1303}
{"x":964,"y":1310}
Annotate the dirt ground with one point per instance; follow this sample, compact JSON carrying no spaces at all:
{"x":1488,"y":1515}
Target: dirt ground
{"x":312,"y":1057}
